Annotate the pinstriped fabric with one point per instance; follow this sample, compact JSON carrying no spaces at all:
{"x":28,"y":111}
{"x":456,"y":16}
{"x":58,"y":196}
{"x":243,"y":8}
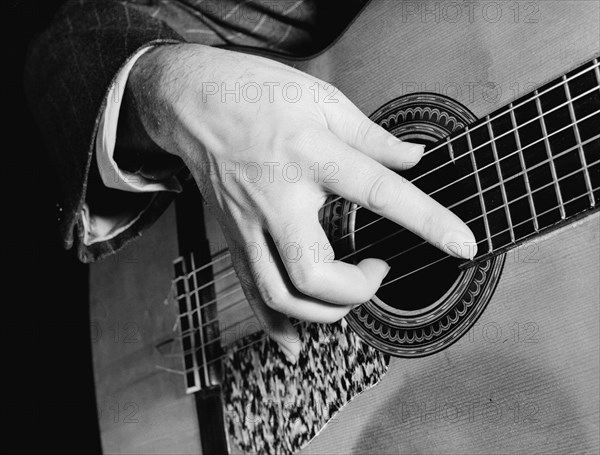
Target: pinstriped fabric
{"x":71,"y":66}
{"x":69,"y":70}
{"x":261,"y":23}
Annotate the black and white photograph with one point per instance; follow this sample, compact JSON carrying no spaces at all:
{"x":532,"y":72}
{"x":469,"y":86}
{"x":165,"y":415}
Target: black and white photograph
{"x":302,"y":227}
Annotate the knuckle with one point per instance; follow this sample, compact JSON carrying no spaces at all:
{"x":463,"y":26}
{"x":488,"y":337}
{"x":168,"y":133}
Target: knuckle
{"x":275,"y":297}
{"x":380,"y":193}
{"x":365,"y":126}
{"x":302,"y":139}
{"x":306,"y":279}
{"x":364,"y":295}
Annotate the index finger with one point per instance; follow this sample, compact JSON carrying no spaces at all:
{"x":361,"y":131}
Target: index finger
{"x":362,"y":180}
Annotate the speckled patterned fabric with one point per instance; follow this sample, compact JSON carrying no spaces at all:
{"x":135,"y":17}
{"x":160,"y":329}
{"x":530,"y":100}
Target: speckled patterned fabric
{"x":275,"y":407}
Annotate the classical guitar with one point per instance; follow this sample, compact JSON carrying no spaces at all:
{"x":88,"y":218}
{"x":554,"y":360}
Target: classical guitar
{"x":495,"y":355}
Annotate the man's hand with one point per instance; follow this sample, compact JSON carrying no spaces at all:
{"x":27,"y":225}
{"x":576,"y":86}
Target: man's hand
{"x":266,"y":153}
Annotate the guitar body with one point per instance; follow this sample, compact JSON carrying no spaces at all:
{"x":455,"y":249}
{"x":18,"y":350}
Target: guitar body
{"x":522,"y":379}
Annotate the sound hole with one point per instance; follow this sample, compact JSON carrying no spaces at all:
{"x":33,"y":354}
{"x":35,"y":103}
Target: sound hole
{"x":426,"y":302}
{"x":421,"y":274}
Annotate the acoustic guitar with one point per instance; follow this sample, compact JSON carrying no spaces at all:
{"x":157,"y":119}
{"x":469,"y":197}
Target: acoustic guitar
{"x":495,"y":355}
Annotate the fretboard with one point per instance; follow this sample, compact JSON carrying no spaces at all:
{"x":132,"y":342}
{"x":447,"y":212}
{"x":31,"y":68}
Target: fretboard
{"x":531,"y":165}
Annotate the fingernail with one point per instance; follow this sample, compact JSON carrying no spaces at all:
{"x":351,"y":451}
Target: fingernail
{"x":460,"y":244}
{"x":386,"y":272}
{"x":409,"y":147}
{"x":417,"y":149}
{"x":288,"y":354}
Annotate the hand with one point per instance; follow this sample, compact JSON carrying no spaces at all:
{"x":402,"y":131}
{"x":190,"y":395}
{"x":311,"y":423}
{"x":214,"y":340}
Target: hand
{"x":253,"y":154}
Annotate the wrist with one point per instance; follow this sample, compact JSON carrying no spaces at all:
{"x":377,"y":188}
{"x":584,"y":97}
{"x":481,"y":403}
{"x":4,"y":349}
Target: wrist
{"x":157,"y":84}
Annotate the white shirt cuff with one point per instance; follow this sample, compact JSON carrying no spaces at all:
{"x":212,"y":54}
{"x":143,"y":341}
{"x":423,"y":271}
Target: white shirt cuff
{"x":111,"y":175}
{"x":101,"y":228}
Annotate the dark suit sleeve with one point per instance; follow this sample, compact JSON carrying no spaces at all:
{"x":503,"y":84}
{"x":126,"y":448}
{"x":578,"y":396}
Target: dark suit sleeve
{"x":72,"y":65}
{"x":70,"y":68}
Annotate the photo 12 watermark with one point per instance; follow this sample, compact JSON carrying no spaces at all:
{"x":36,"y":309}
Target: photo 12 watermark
{"x":468,"y":12}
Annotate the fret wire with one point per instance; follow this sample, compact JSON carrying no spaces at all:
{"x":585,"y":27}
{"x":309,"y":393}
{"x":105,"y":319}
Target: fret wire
{"x":479,"y":192}
{"x":450,"y":150}
{"x":538,"y":104}
{"x":188,"y":305}
{"x":502,"y":188}
{"x":198,"y":310}
{"x":224,"y":254}
{"x":564,"y":152}
{"x":598,"y":76}
{"x":493,"y":210}
{"x":526,"y":221}
{"x":514,"y":130}
{"x":524,"y":167}
{"x":188,"y":276}
{"x":395,"y":279}
{"x":479,"y":146}
{"x":595,"y":67}
{"x":519,"y":151}
{"x":214,"y":259}
{"x":385,"y":284}
{"x":521,"y":103}
{"x":230,"y":272}
{"x":586,"y":174}
{"x":502,"y":135}
{"x":553,"y":208}
{"x":178,"y":263}
{"x":543,"y":213}
{"x":498,"y":208}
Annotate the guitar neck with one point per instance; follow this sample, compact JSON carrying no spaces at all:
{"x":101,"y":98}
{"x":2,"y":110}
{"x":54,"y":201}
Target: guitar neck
{"x":530,"y":166}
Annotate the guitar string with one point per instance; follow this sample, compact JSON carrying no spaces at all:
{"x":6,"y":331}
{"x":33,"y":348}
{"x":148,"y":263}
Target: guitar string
{"x":225,"y":255}
{"x":227,"y":293}
{"x":366,"y":247}
{"x":356,"y":209}
{"x":237,"y":287}
{"x":246,"y":346}
{"x":206,"y":364}
{"x":447,"y":141}
{"x":469,"y":131}
{"x":444,"y":258}
{"x":230,"y":270}
{"x":483,"y":241}
{"x":486,"y":213}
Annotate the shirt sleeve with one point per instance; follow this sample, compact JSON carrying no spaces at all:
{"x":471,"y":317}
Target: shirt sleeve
{"x":98,"y":228}
{"x":112,"y":176}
